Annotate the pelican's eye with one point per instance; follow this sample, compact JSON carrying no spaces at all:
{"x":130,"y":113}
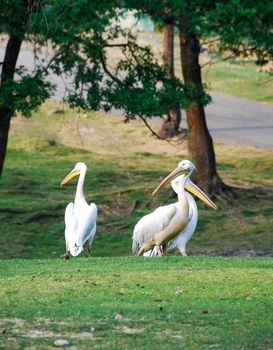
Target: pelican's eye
{"x":183,"y":165}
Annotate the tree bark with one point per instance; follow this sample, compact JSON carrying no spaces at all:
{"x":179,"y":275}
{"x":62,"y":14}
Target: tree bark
{"x":171,"y":122}
{"x":200,"y":144}
{"x":7,"y":77}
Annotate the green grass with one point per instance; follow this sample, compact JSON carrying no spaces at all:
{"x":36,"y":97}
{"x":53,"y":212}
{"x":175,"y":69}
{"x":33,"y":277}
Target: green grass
{"x":239,"y":79}
{"x":164,"y":303}
{"x":124,"y":165}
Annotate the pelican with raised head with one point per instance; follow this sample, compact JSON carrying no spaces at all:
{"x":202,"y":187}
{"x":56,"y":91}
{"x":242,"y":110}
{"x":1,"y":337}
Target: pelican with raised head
{"x":80,"y":217}
{"x":170,"y":227}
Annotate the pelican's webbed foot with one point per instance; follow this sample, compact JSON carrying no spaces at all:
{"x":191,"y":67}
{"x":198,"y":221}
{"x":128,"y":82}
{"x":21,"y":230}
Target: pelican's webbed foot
{"x":65,"y":257}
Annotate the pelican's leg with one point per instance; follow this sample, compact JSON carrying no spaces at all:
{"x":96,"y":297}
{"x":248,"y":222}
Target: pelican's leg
{"x":182,"y":251}
{"x":88,"y":248}
{"x":152,"y":245}
{"x":147,"y":246}
{"x":66,"y":255}
{"x":158,"y":250}
{"x":164,"y":249}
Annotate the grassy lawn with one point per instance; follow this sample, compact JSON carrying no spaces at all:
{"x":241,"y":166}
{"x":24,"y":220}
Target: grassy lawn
{"x":137,"y":303}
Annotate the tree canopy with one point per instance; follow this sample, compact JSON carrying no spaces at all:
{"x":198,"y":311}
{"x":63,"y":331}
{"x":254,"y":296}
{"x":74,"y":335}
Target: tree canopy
{"x":240,"y":26}
{"x":137,"y":84}
{"x":80,"y":35}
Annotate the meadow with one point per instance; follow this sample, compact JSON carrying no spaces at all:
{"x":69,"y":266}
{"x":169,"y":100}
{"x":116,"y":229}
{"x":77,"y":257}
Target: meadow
{"x":114,"y":300}
{"x":125,"y":163}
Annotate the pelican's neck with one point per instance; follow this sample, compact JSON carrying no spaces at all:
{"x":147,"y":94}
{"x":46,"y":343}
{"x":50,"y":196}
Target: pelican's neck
{"x":79,"y":192}
{"x":181,"y":189}
{"x":183,"y":202}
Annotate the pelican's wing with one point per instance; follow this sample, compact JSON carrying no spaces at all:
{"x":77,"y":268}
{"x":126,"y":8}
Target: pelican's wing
{"x":70,"y":223}
{"x":87,"y":225}
{"x":150,"y":224}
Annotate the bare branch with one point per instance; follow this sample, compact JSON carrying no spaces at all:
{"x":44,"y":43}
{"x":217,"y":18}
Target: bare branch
{"x":107,"y":71}
{"x":154,"y":133}
{"x":211,"y":62}
{"x":44,"y":14}
{"x":117,"y":45}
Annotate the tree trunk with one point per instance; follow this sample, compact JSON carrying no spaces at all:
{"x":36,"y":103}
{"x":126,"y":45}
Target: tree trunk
{"x":7,"y":77}
{"x":171,"y":122}
{"x":200,"y":144}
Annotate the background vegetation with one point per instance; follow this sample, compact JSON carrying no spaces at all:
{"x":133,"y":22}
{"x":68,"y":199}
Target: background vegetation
{"x":124,"y":165}
{"x":237,"y":77}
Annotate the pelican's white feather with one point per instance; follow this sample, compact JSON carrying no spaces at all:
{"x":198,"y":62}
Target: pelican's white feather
{"x":87,"y":226}
{"x":70,"y":224}
{"x":80,"y":217}
{"x":152,"y":223}
{"x":84,"y":228}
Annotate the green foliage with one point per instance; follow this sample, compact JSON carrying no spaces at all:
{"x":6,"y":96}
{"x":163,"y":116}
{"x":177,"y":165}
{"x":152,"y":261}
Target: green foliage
{"x":250,"y":28}
{"x":242,"y":27}
{"x":26,"y":94}
{"x":138,"y":84}
{"x":13,"y":17}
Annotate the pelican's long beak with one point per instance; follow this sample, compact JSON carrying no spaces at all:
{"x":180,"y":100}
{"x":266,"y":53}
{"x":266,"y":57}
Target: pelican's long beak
{"x":194,"y":189}
{"x":177,"y":171}
{"x":70,"y":176}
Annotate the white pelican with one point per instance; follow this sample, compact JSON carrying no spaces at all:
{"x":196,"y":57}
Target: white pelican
{"x":80,"y":217}
{"x":173,"y":225}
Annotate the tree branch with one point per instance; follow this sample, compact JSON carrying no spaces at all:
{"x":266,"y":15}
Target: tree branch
{"x":154,"y":133}
{"x":107,"y":71}
{"x":210,"y":62}
{"x":117,"y":45}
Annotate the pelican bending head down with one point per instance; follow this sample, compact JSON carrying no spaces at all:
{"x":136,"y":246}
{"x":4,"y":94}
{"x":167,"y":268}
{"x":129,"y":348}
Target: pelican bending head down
{"x":165,"y":223}
{"x":80,"y":217}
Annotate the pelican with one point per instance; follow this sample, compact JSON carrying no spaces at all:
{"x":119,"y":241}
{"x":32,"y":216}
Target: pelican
{"x":80,"y":217}
{"x":173,"y":225}
{"x":178,"y":243}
